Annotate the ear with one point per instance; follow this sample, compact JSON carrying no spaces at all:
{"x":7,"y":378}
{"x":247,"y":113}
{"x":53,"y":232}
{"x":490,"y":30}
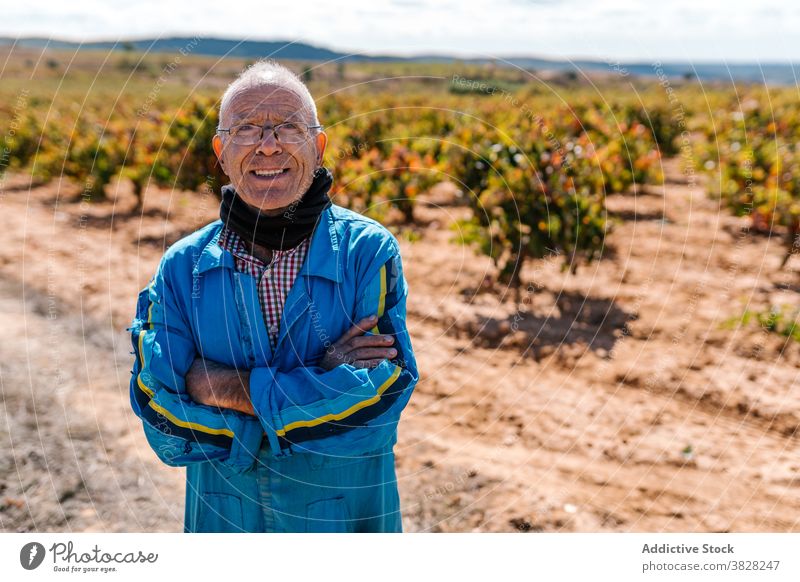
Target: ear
{"x":322,"y":142}
{"x":216,"y":144}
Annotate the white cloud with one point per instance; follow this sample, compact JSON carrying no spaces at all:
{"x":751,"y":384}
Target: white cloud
{"x":618,"y":29}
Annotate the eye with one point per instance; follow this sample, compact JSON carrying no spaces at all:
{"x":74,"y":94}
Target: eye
{"x":291,"y":127}
{"x":246,"y":130}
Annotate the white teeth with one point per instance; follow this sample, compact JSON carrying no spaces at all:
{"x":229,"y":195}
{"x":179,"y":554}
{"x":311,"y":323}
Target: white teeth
{"x":268,"y":172}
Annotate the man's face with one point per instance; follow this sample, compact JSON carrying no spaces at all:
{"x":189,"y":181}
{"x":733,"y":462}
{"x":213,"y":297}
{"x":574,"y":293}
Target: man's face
{"x":241,"y":163}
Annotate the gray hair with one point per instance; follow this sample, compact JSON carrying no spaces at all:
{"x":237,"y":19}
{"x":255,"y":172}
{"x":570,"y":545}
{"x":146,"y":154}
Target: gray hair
{"x":270,"y":73}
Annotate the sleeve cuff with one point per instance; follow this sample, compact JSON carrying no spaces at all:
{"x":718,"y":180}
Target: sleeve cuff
{"x":260,"y":381}
{"x":246,"y":445}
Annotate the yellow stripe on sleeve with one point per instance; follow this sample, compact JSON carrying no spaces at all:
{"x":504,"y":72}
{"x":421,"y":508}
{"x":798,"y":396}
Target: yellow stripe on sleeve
{"x":194,"y":426}
{"x":344,"y":414}
{"x":381,"y":298}
{"x":151,"y":393}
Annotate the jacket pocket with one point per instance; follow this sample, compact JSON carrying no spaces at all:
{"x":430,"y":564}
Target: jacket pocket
{"x":219,"y":512}
{"x":328,"y":516}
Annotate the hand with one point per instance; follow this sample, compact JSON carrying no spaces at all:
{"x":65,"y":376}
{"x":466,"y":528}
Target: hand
{"x":362,"y":351}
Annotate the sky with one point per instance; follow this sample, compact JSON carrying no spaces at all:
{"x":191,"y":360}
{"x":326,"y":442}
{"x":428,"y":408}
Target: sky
{"x":613,"y":30}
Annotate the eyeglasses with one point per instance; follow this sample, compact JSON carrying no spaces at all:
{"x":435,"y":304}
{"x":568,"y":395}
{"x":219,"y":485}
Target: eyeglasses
{"x":286,"y":132}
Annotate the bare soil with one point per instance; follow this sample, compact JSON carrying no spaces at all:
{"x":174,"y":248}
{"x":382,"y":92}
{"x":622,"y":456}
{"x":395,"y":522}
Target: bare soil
{"x":610,"y":400}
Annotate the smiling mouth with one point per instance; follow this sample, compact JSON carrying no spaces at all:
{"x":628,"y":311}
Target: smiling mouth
{"x":268,"y":173}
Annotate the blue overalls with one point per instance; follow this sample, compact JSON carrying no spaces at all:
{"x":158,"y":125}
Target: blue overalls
{"x":318,"y":455}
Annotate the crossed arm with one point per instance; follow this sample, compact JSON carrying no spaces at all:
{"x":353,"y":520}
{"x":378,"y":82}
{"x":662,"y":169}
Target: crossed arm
{"x":213,"y":384}
{"x":348,"y":402}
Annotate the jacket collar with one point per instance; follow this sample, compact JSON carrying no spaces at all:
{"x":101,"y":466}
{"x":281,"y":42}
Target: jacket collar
{"x":323,"y":259}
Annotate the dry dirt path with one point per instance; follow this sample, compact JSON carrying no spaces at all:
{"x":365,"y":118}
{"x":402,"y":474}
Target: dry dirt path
{"x":609,"y":401}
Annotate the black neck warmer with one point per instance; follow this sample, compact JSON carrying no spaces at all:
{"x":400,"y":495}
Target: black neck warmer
{"x":286,"y":230}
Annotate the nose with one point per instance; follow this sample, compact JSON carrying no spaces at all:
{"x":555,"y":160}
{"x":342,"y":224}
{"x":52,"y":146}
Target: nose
{"x":269,"y":145}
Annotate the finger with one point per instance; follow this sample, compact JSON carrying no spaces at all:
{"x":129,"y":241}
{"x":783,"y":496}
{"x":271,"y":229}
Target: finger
{"x":336,"y":354}
{"x":369,"y":341}
{"x":371,"y":353}
{"x":359,"y":328}
{"x":367,"y":363}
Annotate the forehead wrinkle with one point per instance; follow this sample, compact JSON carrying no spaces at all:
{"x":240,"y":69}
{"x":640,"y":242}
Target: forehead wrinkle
{"x":259,"y":115}
{"x":273,"y":108}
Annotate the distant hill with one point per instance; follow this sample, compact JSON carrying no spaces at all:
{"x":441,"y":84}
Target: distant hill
{"x":773,"y":73}
{"x":199,"y":46}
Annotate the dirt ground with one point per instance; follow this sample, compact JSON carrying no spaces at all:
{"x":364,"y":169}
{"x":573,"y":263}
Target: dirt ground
{"x":610,"y":400}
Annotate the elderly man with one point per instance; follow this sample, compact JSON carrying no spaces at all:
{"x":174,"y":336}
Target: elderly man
{"x":272,"y":356}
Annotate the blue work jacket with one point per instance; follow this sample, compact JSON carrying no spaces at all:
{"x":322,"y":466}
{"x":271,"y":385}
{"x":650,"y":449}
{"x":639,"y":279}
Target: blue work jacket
{"x":318,"y":455}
